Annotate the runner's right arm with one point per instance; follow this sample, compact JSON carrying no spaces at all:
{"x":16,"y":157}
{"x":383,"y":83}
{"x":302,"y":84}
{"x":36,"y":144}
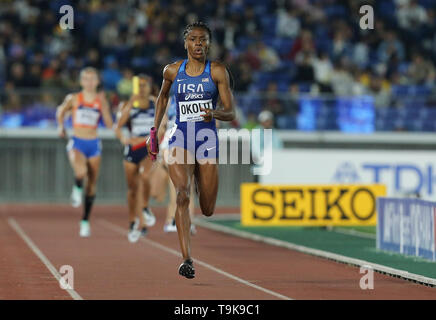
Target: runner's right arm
{"x":169,"y":74}
{"x":62,"y":109}
{"x":122,"y":120}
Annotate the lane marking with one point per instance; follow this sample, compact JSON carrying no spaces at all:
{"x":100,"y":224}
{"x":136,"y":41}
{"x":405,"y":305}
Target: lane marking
{"x":14,"y":225}
{"x":155,"y":244}
{"x":319,"y":253}
{"x":355,"y":233}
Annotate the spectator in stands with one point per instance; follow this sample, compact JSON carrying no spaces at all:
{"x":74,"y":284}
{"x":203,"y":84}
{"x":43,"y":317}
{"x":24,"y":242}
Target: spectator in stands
{"x":34,"y":76}
{"x":341,"y":79}
{"x":340,"y":43}
{"x":291,"y":103}
{"x":288,"y":24}
{"x":323,"y":69}
{"x":360,"y":53}
{"x":421,"y":71}
{"x":266,"y":121}
{"x":271,"y":100}
{"x":251,"y":121}
{"x":252,"y":57}
{"x":242,"y":72}
{"x":269,"y":59}
{"x":93,"y":58}
{"x":17,"y":76}
{"x":410,"y":15}
{"x":111,"y":74}
{"x":304,"y":42}
{"x":13,"y":102}
{"x":305,"y":70}
{"x":382,"y":95}
{"x":51,"y":74}
{"x":357,"y":87}
{"x":250,"y":25}
{"x":389,"y":46}
{"x":125,"y":86}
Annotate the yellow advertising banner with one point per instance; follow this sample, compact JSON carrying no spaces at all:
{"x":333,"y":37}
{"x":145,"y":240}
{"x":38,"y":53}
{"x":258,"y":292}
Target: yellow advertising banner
{"x":317,"y":205}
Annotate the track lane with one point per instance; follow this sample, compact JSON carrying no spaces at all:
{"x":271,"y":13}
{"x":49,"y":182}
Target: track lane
{"x":108,"y":267}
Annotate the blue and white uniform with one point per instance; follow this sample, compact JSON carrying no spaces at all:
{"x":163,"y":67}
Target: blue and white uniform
{"x":140,"y":123}
{"x":190,"y":131}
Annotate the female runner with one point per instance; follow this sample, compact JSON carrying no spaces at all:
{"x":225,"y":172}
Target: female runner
{"x":84,"y":147}
{"x":137,"y":165}
{"x":195,"y":84}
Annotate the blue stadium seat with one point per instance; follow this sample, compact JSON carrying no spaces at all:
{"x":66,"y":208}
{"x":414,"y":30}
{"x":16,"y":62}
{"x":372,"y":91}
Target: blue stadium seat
{"x":429,"y":126}
{"x":400,"y":90}
{"x":269,"y":23}
{"x":286,"y":122}
{"x":335,"y":11}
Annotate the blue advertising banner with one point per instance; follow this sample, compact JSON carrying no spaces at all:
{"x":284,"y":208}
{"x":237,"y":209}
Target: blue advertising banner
{"x":407,"y":226}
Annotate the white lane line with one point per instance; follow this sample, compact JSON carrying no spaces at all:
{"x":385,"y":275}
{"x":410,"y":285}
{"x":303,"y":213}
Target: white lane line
{"x":355,"y":233}
{"x":120,"y":230}
{"x":41,"y":256}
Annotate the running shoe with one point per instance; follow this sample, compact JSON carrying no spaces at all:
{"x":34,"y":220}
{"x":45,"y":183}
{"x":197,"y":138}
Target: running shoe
{"x":76,"y":197}
{"x":135,"y":224}
{"x":193,"y":229}
{"x":170,"y":227}
{"x":186,"y":269}
{"x":144,"y":231}
{"x":85,"y":229}
{"x":133,"y":235}
{"x":149,"y":217}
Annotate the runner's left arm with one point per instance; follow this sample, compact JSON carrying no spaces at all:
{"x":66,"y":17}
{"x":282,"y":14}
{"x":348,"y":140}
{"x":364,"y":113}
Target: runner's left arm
{"x":106,"y":112}
{"x":221,"y":77}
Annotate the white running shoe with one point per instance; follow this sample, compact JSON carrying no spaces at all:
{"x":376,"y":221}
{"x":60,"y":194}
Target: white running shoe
{"x":170,"y":227}
{"x":76,"y":197}
{"x":134,"y":235}
{"x":136,"y":224}
{"x":193,"y":229}
{"x":149,"y":217}
{"x":85,"y":229}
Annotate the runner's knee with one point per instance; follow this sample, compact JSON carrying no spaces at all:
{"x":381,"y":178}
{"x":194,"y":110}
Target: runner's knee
{"x":182,"y":199}
{"x":80,"y":174}
{"x":207,"y":209}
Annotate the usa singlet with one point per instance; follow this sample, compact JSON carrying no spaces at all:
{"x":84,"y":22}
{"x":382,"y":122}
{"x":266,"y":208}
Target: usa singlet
{"x":190,"y":131}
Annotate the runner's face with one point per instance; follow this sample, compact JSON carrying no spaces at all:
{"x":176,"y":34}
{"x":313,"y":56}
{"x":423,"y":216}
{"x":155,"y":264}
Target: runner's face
{"x":89,"y":81}
{"x":197,"y":43}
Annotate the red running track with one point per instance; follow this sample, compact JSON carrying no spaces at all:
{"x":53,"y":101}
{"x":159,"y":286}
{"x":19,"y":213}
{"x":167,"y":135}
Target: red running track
{"x":107,"y":266}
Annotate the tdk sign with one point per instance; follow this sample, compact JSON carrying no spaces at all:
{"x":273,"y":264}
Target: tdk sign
{"x":400,"y":178}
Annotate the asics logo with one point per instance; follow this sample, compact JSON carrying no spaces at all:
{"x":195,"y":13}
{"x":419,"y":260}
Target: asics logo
{"x":194,"y":96}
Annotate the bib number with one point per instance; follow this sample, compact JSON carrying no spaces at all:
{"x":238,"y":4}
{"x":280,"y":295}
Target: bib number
{"x":190,"y":110}
{"x":142,"y":126}
{"x":87,"y":117}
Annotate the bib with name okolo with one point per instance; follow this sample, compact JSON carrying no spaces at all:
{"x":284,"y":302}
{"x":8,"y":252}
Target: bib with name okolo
{"x":190,"y":105}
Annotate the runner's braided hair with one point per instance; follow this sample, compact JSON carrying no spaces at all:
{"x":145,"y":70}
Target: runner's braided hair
{"x":197,"y":24}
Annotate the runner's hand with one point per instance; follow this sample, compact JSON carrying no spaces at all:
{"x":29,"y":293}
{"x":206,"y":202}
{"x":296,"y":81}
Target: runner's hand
{"x":61,"y":132}
{"x":148,"y":144}
{"x":125,"y":141}
{"x":208,"y":116}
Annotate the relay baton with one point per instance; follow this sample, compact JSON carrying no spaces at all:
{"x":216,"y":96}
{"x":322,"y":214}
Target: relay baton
{"x":153,"y":143}
{"x":136,"y":90}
